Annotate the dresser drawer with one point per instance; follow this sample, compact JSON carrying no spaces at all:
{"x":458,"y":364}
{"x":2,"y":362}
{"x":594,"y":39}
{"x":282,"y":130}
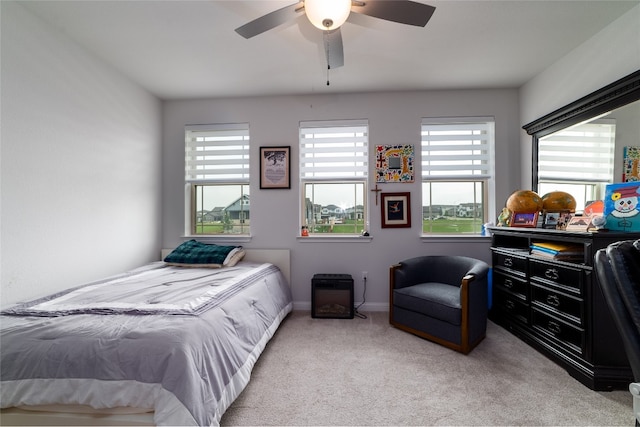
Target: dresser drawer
{"x":511,"y":262}
{"x":512,"y":284}
{"x":511,"y":306}
{"x":565,"y":277}
{"x":569,"y":336}
{"x":566,"y":306}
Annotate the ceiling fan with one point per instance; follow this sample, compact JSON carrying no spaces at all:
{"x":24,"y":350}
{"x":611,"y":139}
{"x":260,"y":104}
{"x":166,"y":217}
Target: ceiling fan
{"x":329,"y":15}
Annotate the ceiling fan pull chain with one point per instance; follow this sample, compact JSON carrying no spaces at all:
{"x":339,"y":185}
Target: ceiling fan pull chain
{"x":326,"y":47}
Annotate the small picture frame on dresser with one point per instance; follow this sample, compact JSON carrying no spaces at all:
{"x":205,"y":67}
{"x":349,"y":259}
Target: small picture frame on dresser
{"x":550,"y":219}
{"x":563,"y":220}
{"x":520,"y":219}
{"x":579,"y":223}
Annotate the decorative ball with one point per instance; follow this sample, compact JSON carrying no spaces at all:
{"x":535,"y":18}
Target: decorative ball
{"x":557,"y":201}
{"x":524,"y":201}
{"x":599,"y":221}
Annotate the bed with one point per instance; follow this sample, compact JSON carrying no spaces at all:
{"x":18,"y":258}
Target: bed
{"x":158,"y":345}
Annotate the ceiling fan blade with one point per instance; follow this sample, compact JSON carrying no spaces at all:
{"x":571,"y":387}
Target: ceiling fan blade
{"x":269,"y":21}
{"x":333,"y":48}
{"x":401,"y":11}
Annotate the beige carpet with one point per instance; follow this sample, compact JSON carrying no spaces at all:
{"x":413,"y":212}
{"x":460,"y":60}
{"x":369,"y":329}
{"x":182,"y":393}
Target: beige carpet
{"x":365,"y":372}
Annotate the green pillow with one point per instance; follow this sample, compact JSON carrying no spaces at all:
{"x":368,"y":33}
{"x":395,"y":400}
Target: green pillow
{"x":197,"y":254}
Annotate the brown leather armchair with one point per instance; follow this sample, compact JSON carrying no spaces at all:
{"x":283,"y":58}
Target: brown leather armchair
{"x":440,"y":298}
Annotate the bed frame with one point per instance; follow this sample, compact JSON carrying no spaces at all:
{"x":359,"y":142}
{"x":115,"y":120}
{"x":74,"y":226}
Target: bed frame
{"x":86,"y":416}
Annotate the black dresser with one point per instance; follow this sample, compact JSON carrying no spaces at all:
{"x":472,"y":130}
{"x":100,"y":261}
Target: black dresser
{"x":556,"y":305}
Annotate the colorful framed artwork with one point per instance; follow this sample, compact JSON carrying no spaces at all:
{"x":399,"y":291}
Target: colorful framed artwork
{"x":595,"y":207}
{"x":519,"y":219}
{"x":396,"y":210}
{"x":631,"y":164}
{"x":622,"y":206}
{"x":394,"y":163}
{"x":274,"y":167}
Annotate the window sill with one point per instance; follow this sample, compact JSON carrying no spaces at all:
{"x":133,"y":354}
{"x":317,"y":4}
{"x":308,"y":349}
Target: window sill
{"x":223,"y":238}
{"x":335,"y":239}
{"x":452,"y":237}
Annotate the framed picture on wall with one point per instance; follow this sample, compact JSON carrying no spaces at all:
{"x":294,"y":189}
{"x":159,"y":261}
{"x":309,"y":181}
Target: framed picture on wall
{"x":631,"y":164}
{"x":394,"y":163}
{"x":396,"y":210}
{"x":274,"y":167}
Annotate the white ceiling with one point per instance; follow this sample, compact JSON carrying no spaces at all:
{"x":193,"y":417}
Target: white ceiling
{"x":188,"y":49}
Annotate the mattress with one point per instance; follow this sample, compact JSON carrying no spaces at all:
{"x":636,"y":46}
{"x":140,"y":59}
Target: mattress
{"x":180,"y":342}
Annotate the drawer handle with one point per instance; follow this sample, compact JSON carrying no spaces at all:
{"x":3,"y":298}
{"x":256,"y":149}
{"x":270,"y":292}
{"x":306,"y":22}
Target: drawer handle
{"x":553,"y":300}
{"x":554,"y":327}
{"x":552,"y":274}
{"x":508,"y":262}
{"x":508,"y":283}
{"x":510,"y":305}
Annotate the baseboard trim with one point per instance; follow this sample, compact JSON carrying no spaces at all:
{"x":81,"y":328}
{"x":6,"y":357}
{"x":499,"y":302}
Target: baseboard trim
{"x":367,"y":306}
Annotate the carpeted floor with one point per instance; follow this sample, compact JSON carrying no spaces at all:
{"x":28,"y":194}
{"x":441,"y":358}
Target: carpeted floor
{"x":344,"y":372}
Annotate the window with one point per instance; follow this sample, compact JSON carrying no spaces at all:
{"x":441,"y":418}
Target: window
{"x":333,"y":176}
{"x":578,"y":160}
{"x":457,"y":174}
{"x":217,"y":179}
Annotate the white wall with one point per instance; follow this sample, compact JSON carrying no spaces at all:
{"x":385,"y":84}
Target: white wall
{"x":608,"y":56}
{"x":80,"y":167}
{"x":394,"y":118}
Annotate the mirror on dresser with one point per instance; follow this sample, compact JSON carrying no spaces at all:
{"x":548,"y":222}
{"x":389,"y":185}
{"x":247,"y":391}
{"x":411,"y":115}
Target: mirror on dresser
{"x":579,"y":148}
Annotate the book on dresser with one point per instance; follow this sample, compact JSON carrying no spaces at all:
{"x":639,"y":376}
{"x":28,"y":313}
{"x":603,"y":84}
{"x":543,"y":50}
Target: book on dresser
{"x":557,"y":251}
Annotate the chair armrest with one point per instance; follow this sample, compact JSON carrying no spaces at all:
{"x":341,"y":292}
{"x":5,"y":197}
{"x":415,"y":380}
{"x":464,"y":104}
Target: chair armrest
{"x":392,"y":275}
{"x":401,"y":276}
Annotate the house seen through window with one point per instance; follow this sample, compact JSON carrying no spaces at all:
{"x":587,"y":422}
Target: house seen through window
{"x":457,"y":174}
{"x":333,"y":177}
{"x":217,"y":179}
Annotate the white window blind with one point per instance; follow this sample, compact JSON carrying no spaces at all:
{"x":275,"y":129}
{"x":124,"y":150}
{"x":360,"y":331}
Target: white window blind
{"x":456,"y":149}
{"x":581,"y":153}
{"x":334,"y":150}
{"x":217,"y":153}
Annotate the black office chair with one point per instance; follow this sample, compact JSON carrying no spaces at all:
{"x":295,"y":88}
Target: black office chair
{"x":618,"y":268}
{"x":440,"y":298}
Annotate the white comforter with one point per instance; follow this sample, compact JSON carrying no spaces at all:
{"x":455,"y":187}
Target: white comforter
{"x":182,"y":342}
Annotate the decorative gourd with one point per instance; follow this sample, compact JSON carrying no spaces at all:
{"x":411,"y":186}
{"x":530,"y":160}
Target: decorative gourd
{"x":524,"y":201}
{"x":557,"y":201}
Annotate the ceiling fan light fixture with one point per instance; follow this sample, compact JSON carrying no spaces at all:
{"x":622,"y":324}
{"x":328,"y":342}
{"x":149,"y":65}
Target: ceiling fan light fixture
{"x":327,"y":14}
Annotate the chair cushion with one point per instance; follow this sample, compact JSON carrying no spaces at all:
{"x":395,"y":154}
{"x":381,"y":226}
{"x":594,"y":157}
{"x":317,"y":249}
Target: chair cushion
{"x":437,"y":300}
